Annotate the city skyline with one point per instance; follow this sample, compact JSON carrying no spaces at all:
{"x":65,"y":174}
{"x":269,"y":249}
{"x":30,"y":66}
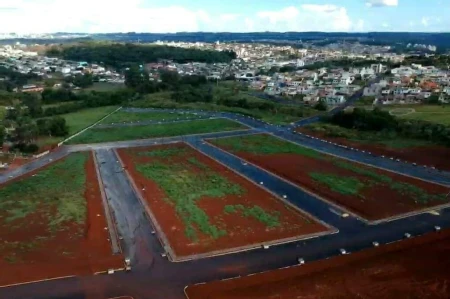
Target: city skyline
{"x":155,"y":16}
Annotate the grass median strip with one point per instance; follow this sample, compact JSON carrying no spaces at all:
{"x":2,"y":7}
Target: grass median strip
{"x":156,"y":131}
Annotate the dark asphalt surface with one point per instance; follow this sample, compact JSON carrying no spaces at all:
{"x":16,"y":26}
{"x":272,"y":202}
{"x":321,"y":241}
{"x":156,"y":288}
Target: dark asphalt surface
{"x":154,"y":277}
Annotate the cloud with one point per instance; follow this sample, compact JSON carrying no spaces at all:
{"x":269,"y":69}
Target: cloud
{"x":378,"y":3}
{"x":90,"y":16}
{"x":307,"y":17}
{"x":425,"y":21}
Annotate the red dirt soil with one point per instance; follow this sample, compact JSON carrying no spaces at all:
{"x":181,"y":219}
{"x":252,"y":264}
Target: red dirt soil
{"x":414,"y":268}
{"x":241,"y":231}
{"x":16,"y":163}
{"x":437,"y":156}
{"x":379,"y":201}
{"x":67,"y":253}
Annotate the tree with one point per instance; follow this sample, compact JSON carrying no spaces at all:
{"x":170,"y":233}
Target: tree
{"x":2,"y":135}
{"x":321,"y":106}
{"x":32,"y":101}
{"x":135,"y":77}
{"x":58,"y":127}
{"x":433,"y":99}
{"x":83,"y":81}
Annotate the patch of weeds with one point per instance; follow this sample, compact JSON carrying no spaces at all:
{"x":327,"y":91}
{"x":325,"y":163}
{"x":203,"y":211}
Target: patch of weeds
{"x":271,"y":220}
{"x":342,"y":185}
{"x":266,"y":145}
{"x":184,"y":187}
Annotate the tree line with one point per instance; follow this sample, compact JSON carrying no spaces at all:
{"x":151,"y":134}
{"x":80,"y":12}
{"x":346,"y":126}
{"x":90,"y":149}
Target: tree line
{"x":379,"y":120}
{"x":122,"y":55}
{"x":12,"y":78}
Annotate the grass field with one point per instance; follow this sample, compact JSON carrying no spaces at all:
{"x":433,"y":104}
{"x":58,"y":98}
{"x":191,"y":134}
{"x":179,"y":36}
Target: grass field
{"x":154,"y":131}
{"x":122,"y":116}
{"x":79,"y":120}
{"x":54,"y":195}
{"x":390,"y":140}
{"x":435,"y":114}
{"x":432,"y":113}
{"x":164,"y":100}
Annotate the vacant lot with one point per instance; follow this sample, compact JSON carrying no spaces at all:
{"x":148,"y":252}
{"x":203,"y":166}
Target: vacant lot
{"x":432,"y":113}
{"x":371,"y":193}
{"x":154,"y":131}
{"x":415,"y":268}
{"x":419,"y":151}
{"x":123,"y":116}
{"x":436,"y":114}
{"x":82,"y":119}
{"x":204,"y":207}
{"x":52,"y":223}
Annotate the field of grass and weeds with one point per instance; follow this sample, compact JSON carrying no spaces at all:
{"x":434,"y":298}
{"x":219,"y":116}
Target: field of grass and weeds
{"x":388,"y":139}
{"x":280,"y":114}
{"x":59,"y":187}
{"x":433,"y":113}
{"x":55,"y":195}
{"x":364,"y":177}
{"x":94,"y":135}
{"x":123,"y":116}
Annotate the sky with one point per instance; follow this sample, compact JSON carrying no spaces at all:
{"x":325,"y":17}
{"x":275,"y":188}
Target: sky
{"x":167,"y":16}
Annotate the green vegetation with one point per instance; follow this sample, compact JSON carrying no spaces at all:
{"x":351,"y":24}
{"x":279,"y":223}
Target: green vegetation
{"x":122,"y":116}
{"x":154,"y":131}
{"x":265,"y":145}
{"x":82,"y":119}
{"x":227,"y":97}
{"x":379,"y":120}
{"x":185,"y":184}
{"x":418,"y":194}
{"x":2,"y":112}
{"x":120,"y":55}
{"x":105,"y":86}
{"x":56,"y":193}
{"x":258,"y":213}
{"x":339,"y":184}
{"x":169,"y":152}
{"x":363,"y":171}
{"x":431,"y":113}
{"x":388,"y":138}
{"x":348,"y":185}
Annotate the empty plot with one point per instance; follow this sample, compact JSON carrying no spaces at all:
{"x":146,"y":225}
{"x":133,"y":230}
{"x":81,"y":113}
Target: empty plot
{"x":126,"y":117}
{"x":155,"y":131}
{"x":205,"y":209}
{"x":52,"y":223}
{"x":372,"y":193}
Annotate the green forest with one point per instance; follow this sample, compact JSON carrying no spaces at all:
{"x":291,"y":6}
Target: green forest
{"x":123,"y":55}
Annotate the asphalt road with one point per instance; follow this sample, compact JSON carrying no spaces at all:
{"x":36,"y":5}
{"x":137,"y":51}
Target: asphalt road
{"x":154,"y":277}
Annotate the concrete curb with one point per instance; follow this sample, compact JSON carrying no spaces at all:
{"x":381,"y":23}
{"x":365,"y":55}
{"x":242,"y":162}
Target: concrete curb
{"x":36,"y":281}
